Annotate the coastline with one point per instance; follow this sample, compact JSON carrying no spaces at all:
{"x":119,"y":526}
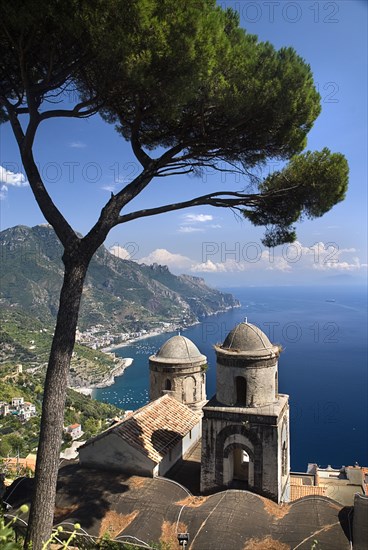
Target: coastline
{"x":158,"y":332}
{"x":109,"y":381}
{"x":125,"y":362}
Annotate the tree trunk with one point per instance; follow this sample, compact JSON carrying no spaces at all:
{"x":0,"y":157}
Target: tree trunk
{"x":42,"y":508}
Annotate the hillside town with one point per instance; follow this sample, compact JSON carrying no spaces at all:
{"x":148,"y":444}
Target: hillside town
{"x":24,"y":410}
{"x":98,"y":337}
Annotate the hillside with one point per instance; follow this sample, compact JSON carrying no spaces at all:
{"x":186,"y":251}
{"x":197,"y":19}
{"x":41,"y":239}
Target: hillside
{"x":120,"y":295}
{"x":22,"y":437}
{"x":27,"y":341}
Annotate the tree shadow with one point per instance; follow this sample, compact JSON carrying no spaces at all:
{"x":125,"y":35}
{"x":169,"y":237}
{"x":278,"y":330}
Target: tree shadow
{"x":165,"y":440}
{"x":83,"y":495}
{"x":86,"y":495}
{"x":18,"y":493}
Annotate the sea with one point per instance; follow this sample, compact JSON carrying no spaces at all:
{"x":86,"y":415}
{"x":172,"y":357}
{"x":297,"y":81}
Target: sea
{"x":323,"y":365}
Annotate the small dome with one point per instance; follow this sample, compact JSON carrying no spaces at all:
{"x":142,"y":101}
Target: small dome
{"x":178,"y":349}
{"x":246,"y":337}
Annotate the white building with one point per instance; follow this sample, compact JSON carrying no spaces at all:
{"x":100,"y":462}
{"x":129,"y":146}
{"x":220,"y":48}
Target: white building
{"x":147,"y":443}
{"x":4,"y":408}
{"x":75,"y":430}
{"x":17,"y":402}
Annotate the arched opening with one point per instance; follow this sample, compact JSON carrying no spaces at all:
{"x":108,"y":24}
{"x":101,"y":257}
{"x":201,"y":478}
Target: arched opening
{"x":189,"y":388}
{"x":241,"y":390}
{"x":238,"y":467}
{"x":168,"y":385}
{"x":241,"y":465}
{"x":276,"y":385}
{"x":230,"y":437}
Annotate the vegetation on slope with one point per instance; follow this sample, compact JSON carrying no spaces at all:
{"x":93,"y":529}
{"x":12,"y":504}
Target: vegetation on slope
{"x":120,"y":295}
{"x":22,"y":438}
{"x":27,"y":341}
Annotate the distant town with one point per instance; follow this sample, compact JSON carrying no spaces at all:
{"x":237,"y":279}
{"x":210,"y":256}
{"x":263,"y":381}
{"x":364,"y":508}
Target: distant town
{"x":98,"y":337}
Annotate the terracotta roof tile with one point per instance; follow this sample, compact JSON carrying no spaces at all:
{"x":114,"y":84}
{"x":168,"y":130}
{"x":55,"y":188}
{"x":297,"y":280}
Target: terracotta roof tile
{"x":156,"y":428}
{"x":299,"y":491}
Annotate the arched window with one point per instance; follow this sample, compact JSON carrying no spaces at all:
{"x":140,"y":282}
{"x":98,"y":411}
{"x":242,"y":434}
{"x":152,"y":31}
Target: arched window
{"x":168,"y":384}
{"x":190,"y":390}
{"x":241,"y":390}
{"x":276,"y":384}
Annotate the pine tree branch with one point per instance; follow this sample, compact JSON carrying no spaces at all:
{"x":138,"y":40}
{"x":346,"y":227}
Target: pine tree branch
{"x":221,"y":199}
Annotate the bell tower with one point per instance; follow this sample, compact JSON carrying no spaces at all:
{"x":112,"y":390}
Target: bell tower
{"x":179,"y":369}
{"x":245,"y":426}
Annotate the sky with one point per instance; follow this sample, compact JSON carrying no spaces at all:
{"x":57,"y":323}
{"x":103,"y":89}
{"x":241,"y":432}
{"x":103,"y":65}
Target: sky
{"x":83,"y":161}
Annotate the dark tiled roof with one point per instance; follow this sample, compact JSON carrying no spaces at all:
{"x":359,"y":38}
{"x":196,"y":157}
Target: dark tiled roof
{"x":149,"y":509}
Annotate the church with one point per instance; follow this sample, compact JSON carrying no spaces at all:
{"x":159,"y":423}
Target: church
{"x":215,"y":471}
{"x":243,"y":428}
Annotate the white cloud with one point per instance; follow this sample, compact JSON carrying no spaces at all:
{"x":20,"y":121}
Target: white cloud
{"x":111,"y":187}
{"x":10,"y":179}
{"x":326,"y":257}
{"x":274,"y":263}
{"x":114,"y":186}
{"x":3,"y":191}
{"x":120,"y":252}
{"x":15,"y":179}
{"x":77,"y":144}
{"x":164,"y":257}
{"x":209,"y":267}
{"x":190,"y":229}
{"x":292,"y":259}
{"x":194,"y":223}
{"x":197,"y":218}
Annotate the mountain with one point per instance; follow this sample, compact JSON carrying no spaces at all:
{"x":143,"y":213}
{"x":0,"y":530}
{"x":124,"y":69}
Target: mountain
{"x":119,"y":294}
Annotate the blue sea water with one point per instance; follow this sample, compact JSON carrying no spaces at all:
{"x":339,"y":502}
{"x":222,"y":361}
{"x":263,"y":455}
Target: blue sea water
{"x":323,"y":366}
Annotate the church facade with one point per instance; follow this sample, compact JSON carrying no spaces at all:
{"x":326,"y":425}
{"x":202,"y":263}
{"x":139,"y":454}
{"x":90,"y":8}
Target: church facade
{"x":244,"y":428}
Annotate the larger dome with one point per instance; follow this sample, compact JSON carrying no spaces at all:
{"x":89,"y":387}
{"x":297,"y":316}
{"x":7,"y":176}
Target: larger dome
{"x":247,"y":338}
{"x":178,"y":349}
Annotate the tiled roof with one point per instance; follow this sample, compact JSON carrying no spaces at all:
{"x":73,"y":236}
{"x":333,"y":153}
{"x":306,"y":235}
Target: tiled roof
{"x":299,"y":491}
{"x":105,"y":500}
{"x":156,"y":428}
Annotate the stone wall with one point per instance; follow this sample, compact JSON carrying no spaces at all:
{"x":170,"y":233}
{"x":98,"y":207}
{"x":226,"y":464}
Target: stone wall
{"x":187,"y":383}
{"x":258,"y":432}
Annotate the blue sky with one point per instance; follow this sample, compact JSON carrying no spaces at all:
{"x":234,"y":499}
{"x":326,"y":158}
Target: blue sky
{"x":82,"y":161}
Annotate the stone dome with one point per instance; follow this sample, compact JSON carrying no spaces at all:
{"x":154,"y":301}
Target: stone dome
{"x":249,"y":339}
{"x":178,"y":349}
